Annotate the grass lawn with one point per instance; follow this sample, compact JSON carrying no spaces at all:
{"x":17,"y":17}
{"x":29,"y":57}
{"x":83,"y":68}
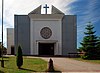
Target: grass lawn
{"x":29,"y":65}
{"x":91,"y":61}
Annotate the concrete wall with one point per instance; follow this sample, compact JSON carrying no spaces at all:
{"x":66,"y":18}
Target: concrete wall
{"x":69,"y":36}
{"x":10,"y":39}
{"x":54,"y":22}
{"x":66,"y":34}
{"x":22,"y":33}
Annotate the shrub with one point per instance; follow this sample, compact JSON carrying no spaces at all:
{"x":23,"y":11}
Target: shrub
{"x":50,"y":66}
{"x":19,"y":58}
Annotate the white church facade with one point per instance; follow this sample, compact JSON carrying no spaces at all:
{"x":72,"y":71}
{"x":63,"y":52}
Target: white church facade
{"x":45,"y":34}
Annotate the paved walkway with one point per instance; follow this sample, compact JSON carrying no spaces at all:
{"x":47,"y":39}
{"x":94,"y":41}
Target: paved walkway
{"x":69,"y":65}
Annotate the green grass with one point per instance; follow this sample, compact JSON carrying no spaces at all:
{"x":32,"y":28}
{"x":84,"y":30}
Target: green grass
{"x":29,"y":65}
{"x":91,"y":61}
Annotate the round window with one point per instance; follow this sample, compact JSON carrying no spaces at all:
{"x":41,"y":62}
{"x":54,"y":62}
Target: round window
{"x":46,"y":32}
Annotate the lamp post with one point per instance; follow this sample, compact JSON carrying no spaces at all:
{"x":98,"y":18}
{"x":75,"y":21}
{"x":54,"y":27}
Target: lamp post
{"x":2,"y":61}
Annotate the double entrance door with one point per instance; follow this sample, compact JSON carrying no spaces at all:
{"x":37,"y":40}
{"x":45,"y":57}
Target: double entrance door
{"x":46,"y":48}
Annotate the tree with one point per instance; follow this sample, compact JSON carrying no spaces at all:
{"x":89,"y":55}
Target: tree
{"x":2,"y":51}
{"x":19,"y":58}
{"x":98,"y":49}
{"x":89,"y":43}
{"x":80,"y":49}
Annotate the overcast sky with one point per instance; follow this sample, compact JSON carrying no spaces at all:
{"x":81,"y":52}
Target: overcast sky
{"x":86,"y":10}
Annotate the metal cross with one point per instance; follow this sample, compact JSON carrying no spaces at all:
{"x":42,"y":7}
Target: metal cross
{"x":45,"y":8}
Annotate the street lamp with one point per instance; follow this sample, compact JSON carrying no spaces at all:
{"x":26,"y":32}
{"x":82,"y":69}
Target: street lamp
{"x":2,"y":61}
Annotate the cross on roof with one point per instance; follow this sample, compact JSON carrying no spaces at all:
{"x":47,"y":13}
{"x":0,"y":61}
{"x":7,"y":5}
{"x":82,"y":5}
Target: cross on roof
{"x":45,"y":8}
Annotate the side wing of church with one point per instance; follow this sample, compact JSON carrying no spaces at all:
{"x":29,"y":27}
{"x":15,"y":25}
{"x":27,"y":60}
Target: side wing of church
{"x":45,"y":34}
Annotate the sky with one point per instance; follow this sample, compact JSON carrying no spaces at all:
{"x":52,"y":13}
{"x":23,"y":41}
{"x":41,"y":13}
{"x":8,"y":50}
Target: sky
{"x":86,"y":11}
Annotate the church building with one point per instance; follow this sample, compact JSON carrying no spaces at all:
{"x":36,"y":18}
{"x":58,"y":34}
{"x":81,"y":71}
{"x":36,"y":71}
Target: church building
{"x":45,"y":34}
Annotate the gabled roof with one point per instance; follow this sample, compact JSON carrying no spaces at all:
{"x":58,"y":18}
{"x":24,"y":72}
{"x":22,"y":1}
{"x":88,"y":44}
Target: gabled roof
{"x":56,"y":11}
{"x":36,"y":11}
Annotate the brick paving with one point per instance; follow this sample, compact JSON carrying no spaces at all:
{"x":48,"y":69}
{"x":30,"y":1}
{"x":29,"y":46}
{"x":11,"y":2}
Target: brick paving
{"x":70,"y":65}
